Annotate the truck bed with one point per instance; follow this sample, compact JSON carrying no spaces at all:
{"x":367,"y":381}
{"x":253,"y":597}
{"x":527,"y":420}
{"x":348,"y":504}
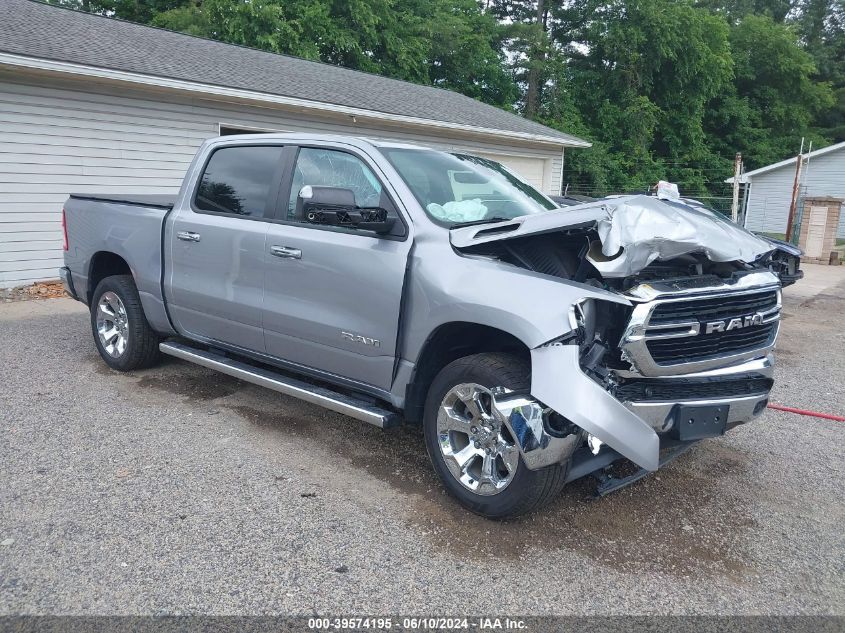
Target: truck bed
{"x":129,"y":227}
{"x":142,"y":200}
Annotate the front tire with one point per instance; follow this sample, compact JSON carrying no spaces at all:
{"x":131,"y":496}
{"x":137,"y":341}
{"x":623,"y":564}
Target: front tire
{"x":475,"y":457}
{"x":121,"y":333}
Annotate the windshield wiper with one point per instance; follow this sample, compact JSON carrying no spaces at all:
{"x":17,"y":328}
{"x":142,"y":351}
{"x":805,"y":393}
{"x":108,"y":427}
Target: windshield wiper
{"x":484,"y":221}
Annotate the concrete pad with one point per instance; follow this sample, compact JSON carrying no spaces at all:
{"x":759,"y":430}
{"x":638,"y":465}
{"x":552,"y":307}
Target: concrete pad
{"x":817,"y":280}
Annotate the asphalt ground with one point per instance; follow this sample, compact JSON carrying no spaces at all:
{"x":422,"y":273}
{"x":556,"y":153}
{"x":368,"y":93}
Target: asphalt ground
{"x":176,"y":490}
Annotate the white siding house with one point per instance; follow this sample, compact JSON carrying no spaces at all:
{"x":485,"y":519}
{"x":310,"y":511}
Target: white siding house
{"x":770,"y":192}
{"x":68,"y":126}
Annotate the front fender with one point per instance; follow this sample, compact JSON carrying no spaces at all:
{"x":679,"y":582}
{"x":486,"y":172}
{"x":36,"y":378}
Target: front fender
{"x":558,"y":382}
{"x":532,"y":307}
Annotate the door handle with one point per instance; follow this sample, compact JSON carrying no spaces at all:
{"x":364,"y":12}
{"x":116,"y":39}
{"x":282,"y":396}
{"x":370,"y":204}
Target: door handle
{"x":286,"y":251}
{"x":188,"y":236}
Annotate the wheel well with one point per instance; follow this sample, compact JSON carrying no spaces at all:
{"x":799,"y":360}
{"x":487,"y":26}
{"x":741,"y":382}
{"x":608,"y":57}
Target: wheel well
{"x":104,"y":264}
{"x":450,"y":342}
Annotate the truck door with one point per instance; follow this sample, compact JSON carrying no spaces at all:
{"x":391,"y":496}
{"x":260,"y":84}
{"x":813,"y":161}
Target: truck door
{"x":333,"y":294}
{"x":216,"y":244}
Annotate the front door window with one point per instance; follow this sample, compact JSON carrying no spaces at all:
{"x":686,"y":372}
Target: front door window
{"x":333,"y":168}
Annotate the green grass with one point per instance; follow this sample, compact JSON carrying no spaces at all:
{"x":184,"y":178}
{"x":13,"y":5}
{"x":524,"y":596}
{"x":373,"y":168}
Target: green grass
{"x":777,"y":236}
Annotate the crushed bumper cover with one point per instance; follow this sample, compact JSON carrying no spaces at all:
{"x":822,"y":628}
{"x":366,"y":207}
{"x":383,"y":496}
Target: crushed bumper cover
{"x":634,"y":430}
{"x":558,"y":381}
{"x":756,"y":375}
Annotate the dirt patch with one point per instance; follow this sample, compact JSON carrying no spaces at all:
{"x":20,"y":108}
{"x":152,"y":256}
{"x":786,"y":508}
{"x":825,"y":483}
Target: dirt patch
{"x":395,"y":456}
{"x":40,"y":290}
{"x":822,"y":300}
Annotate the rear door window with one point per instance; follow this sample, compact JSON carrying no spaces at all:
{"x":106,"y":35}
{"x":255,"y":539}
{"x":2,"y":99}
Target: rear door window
{"x":239,"y":180}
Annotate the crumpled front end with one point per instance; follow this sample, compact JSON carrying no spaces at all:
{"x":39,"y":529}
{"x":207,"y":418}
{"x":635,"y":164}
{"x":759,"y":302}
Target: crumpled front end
{"x":673,"y":345}
{"x":638,"y":230}
{"x":692,"y":361}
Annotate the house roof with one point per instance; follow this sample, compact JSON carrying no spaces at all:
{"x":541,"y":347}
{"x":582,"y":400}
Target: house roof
{"x":744,"y":178}
{"x":37,"y":35}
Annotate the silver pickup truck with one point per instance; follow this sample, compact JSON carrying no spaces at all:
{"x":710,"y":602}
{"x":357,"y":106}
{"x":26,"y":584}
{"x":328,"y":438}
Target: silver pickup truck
{"x":534,"y":344}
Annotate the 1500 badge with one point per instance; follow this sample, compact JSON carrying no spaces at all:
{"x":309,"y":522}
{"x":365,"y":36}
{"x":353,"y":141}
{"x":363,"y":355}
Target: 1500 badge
{"x":357,"y":338}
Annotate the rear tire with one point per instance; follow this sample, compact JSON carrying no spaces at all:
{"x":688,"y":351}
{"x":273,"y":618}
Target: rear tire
{"x":494,"y":481}
{"x":121,"y":333}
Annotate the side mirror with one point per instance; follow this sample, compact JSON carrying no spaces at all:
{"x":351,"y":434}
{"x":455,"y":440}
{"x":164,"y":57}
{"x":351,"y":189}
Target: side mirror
{"x":313,"y":196}
{"x":335,"y":206}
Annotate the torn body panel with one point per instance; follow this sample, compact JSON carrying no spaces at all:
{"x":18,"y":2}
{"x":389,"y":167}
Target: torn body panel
{"x":633,"y":232}
{"x":639,"y":230}
{"x":558,"y":381}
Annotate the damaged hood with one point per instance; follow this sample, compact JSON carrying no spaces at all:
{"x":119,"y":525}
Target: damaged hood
{"x":634,"y":231}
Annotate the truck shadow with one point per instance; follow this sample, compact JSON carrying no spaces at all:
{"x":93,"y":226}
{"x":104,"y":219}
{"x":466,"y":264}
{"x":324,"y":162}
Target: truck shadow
{"x":688,"y":518}
{"x":679,"y":521}
{"x":683,"y":519}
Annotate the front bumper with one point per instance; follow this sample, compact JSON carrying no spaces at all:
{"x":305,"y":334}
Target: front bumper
{"x":634,"y":429}
{"x":697,"y":347}
{"x":754,"y":375}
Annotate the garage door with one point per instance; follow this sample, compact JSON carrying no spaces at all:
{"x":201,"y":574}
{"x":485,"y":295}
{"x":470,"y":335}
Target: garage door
{"x":531,"y":169}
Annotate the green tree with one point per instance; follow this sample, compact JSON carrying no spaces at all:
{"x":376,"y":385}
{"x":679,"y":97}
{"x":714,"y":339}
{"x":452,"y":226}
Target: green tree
{"x":773,"y":100}
{"x":821,"y":24}
{"x":734,"y":10}
{"x":663,"y":88}
{"x":641,"y":75}
{"x":461,"y":49}
{"x":142,"y":11}
{"x":449,"y":44}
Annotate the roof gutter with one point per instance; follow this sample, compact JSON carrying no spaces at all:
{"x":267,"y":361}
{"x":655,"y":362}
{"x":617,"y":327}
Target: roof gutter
{"x":67,"y":68}
{"x":747,"y":176}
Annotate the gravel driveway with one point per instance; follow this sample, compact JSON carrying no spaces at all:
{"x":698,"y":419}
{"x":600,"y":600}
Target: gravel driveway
{"x":176,"y":490}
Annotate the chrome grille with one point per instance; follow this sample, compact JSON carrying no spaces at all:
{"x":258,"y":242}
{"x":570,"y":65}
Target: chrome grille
{"x":669,"y":351}
{"x":699,"y":343}
{"x":686,"y":331}
{"x":713,"y":308}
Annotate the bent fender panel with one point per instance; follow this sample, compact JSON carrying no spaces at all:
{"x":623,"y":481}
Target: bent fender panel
{"x":558,"y":382}
{"x":445,"y":287}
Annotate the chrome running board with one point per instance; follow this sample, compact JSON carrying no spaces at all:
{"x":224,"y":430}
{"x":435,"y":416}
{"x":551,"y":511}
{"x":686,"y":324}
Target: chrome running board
{"x":321,"y":396}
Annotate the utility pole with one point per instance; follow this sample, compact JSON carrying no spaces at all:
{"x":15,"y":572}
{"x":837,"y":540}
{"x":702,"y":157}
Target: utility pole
{"x":737,"y":172}
{"x":745,"y":190}
{"x":791,"y":217}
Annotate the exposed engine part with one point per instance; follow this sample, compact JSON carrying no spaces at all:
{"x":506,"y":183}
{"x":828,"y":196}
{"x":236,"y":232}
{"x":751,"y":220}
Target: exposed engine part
{"x":620,"y":242}
{"x":552,"y":254}
{"x":785,"y":261}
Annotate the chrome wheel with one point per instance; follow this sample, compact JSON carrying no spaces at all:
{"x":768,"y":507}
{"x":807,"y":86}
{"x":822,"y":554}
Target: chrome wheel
{"x":477,"y":446}
{"x":112,"y":324}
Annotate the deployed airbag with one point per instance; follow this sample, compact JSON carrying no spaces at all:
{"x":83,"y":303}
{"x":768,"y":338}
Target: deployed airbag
{"x":458,"y":210}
